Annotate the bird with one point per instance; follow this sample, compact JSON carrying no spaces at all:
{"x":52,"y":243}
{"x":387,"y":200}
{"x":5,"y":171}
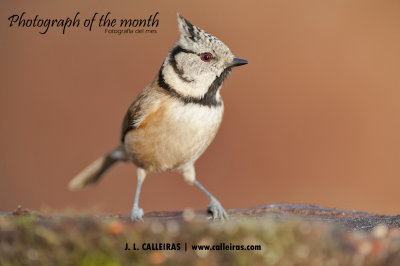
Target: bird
{"x":175,"y":118}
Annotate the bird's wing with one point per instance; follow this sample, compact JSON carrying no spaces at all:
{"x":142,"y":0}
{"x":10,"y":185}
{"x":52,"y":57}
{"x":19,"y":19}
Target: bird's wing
{"x":135,"y":113}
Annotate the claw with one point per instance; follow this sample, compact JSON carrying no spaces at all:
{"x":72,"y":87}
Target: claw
{"x":137,"y":214}
{"x":217,"y":211}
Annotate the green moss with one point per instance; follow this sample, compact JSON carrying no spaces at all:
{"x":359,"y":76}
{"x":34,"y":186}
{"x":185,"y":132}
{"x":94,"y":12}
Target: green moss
{"x":25,"y":221}
{"x":86,"y":241}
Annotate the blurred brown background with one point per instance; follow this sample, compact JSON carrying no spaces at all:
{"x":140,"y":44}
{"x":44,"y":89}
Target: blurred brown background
{"x":314,"y":118}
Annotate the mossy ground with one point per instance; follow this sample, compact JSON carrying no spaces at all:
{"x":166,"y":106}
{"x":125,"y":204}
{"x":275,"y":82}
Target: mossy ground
{"x":29,"y":239}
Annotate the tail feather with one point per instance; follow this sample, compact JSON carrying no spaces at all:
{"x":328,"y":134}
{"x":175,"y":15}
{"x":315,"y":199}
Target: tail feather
{"x":93,"y":172}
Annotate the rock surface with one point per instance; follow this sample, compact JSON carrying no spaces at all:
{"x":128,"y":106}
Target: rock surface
{"x":353,"y":220}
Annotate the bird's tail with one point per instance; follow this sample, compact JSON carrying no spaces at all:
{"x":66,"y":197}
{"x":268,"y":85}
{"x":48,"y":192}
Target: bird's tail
{"x":93,"y":172}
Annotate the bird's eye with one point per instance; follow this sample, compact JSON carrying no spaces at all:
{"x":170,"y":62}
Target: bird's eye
{"x":206,"y":57}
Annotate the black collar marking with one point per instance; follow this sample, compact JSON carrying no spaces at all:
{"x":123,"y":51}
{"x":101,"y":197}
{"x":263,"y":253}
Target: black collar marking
{"x":208,"y":99}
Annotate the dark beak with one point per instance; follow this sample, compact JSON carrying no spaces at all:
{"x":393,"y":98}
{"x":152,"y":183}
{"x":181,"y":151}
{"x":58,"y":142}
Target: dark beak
{"x":238,"y":62}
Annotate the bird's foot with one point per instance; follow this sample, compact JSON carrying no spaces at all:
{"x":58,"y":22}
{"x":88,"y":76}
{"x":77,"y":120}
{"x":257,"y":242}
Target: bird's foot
{"x":217,"y":211}
{"x":137,"y":214}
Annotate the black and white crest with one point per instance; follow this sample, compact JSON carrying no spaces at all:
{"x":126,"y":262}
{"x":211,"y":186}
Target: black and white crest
{"x":194,"y":33}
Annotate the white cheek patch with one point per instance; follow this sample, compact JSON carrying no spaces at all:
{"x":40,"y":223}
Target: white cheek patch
{"x":196,"y":88}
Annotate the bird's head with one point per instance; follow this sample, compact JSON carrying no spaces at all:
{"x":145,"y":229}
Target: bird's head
{"x":198,"y":64}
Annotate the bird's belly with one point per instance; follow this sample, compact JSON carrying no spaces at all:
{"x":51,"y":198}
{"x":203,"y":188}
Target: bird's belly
{"x":175,"y":136}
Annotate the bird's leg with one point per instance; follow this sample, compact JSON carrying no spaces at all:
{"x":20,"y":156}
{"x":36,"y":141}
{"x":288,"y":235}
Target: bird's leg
{"x":215,"y":206}
{"x":137,"y":213}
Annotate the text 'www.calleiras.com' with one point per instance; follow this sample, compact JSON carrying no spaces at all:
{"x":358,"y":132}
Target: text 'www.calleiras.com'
{"x":184,"y":246}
